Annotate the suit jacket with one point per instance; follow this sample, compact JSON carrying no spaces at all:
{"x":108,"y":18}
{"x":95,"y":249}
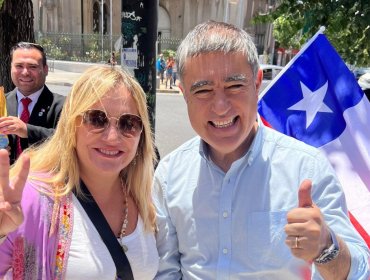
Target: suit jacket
{"x":43,"y":119}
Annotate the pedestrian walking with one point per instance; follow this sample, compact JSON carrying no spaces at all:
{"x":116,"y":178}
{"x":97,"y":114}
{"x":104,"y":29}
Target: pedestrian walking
{"x":161,"y":67}
{"x":174,"y":73}
{"x":169,"y":71}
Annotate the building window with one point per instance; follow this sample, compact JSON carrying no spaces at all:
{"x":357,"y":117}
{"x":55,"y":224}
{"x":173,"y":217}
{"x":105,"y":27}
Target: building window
{"x":97,"y":18}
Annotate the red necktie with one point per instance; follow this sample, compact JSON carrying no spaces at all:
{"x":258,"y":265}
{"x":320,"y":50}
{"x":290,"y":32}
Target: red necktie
{"x":25,"y":117}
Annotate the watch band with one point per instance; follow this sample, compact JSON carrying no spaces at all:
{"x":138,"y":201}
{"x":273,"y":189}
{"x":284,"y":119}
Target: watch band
{"x":330,"y":253}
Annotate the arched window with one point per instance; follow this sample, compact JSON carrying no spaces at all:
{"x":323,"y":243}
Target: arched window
{"x":97,"y":18}
{"x":105,"y":19}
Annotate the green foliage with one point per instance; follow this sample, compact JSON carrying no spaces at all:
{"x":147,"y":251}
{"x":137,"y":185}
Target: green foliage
{"x":168,"y":53}
{"x":288,"y":32}
{"x":52,"y":50}
{"x":346,"y":21}
{"x":60,"y":48}
{"x":1,"y":3}
{"x":93,"y":53}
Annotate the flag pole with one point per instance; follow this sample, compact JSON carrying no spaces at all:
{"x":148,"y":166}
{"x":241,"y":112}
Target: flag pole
{"x":305,"y":46}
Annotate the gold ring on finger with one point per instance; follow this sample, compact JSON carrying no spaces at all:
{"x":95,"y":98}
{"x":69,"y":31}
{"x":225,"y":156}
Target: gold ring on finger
{"x":296,"y":243}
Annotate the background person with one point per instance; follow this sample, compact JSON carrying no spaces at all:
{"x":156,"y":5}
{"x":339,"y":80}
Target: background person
{"x":103,"y":142}
{"x":161,"y":67}
{"x":169,"y":72}
{"x":174,"y":73}
{"x":33,"y":110}
{"x":242,"y":201}
{"x":112,"y":60}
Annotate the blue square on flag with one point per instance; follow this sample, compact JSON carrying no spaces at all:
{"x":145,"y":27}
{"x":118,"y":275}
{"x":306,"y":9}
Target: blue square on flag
{"x":309,"y":97}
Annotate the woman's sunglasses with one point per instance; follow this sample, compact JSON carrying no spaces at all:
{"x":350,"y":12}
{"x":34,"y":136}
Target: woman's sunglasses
{"x":97,"y":121}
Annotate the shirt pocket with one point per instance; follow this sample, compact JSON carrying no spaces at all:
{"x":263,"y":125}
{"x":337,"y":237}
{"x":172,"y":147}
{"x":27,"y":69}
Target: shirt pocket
{"x":266,"y":239}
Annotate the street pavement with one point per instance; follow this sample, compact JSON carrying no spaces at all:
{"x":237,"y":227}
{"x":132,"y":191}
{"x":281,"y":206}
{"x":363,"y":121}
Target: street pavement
{"x":67,"y":78}
{"x":61,"y":78}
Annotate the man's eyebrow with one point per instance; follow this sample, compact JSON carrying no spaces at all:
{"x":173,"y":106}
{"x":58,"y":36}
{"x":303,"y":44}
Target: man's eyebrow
{"x":234,"y":78}
{"x":200,"y":84}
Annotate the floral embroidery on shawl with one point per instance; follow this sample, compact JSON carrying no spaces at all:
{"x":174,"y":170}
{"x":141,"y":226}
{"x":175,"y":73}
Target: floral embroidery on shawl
{"x":18,"y":258}
{"x":24,"y":260}
{"x":65,"y":236}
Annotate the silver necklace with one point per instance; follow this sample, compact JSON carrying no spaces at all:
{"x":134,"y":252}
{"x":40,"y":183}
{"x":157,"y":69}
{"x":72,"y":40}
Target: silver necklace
{"x":125,"y":221}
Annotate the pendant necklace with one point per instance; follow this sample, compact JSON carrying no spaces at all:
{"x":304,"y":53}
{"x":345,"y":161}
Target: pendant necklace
{"x":125,"y":221}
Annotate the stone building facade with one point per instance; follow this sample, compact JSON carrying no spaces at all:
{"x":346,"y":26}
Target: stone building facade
{"x":175,"y":17}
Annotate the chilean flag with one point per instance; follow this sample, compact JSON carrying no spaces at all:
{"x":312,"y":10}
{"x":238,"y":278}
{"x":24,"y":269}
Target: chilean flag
{"x":317,"y":100}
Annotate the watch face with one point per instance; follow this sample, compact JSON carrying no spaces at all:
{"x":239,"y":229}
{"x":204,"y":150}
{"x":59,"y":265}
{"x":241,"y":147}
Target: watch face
{"x":327,"y":255}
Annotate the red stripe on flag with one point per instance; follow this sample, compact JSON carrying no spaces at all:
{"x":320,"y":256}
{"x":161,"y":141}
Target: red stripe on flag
{"x":306,"y":272}
{"x":265,"y":122}
{"x":360,"y":229}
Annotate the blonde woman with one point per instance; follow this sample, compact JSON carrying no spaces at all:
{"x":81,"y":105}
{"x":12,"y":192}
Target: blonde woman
{"x":102,"y":151}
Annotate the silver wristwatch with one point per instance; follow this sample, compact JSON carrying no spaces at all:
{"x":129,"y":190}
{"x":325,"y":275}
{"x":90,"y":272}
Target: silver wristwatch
{"x":330,"y":253}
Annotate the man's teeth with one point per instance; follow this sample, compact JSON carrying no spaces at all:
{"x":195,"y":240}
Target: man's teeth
{"x":222,"y":124}
{"x":110,"y":153}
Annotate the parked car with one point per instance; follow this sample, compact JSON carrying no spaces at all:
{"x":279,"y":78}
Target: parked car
{"x":358,"y":72}
{"x":364,"y":82}
{"x":270,"y":71}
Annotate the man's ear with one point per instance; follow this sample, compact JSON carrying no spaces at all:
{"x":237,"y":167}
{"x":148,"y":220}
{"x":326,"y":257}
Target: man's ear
{"x":46,"y":69}
{"x":259,"y":79}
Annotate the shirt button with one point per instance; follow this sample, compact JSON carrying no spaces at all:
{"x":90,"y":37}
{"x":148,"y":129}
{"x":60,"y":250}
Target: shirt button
{"x":224,"y":251}
{"x":225,"y":214}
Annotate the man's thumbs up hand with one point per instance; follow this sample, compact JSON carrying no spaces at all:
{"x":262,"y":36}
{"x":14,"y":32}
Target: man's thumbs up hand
{"x":307,"y":233}
{"x":304,"y":194}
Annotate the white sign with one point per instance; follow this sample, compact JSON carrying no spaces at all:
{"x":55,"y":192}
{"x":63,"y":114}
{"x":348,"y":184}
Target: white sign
{"x":129,"y":57}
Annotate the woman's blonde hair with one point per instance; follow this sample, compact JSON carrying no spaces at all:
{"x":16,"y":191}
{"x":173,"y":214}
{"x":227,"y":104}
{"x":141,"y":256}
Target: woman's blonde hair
{"x":57,"y":156}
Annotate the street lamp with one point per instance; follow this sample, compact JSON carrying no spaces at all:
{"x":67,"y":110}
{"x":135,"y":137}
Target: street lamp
{"x":40,"y":20}
{"x":102,"y":31}
{"x":240,"y":14}
{"x":226,"y":13}
{"x":111,"y":28}
{"x":240,"y":10}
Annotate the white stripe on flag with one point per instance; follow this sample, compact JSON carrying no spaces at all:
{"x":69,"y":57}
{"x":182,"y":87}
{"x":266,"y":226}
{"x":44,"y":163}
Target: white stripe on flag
{"x":350,"y":156}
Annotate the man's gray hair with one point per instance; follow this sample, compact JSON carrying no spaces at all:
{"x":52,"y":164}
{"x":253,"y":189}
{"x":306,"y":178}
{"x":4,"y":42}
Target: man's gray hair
{"x":212,"y":36}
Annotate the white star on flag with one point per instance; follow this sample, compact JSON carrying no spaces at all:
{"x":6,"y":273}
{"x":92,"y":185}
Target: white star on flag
{"x":312,"y":102}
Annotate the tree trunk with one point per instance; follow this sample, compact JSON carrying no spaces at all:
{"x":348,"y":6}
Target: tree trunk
{"x":16,"y":25}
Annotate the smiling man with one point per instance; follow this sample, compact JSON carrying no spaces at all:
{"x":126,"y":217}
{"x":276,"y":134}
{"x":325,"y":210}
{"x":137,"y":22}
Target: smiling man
{"x":242,"y":201}
{"x":33,"y":110}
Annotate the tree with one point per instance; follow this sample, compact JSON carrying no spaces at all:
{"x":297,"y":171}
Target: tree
{"x":346,"y":21}
{"x":16,"y":25}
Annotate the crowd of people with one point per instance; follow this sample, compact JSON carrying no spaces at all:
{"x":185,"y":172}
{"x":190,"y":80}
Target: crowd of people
{"x":167,"y":71}
{"x":238,"y":201}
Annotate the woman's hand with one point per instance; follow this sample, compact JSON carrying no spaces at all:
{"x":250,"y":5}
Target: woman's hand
{"x":11,"y":215}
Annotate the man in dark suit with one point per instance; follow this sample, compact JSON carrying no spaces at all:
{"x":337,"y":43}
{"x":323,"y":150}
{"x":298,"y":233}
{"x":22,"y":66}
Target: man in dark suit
{"x":28,"y":71}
